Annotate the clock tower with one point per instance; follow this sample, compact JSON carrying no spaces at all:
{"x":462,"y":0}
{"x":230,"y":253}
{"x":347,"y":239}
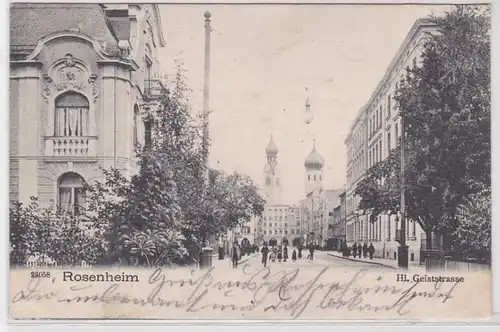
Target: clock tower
{"x":272,"y":181}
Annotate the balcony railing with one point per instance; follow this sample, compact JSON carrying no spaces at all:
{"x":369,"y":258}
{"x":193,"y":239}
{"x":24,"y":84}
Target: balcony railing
{"x":77,"y":146}
{"x":155,"y":88}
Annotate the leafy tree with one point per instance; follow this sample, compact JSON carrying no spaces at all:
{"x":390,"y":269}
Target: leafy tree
{"x":472,"y":238}
{"x":54,"y":235}
{"x":445,"y":104}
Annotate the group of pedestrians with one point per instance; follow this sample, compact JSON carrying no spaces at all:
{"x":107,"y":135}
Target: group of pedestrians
{"x":280,"y":253}
{"x":359,"y":250}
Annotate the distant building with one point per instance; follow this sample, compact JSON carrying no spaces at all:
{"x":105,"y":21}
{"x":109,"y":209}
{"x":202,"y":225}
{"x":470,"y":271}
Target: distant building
{"x":375,"y":131}
{"x":337,"y":237}
{"x":279,"y":222}
{"x":82,"y":79}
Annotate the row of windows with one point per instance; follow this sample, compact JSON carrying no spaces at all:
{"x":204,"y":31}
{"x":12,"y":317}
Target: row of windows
{"x":280,"y":232}
{"x":268,"y":181}
{"x":362,"y":231}
{"x":275,"y":217}
{"x":309,"y":177}
{"x":278,"y":210}
{"x":275,"y":224}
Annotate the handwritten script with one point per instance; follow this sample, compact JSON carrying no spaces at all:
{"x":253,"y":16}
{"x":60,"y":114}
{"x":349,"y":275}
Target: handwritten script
{"x":250,"y":291}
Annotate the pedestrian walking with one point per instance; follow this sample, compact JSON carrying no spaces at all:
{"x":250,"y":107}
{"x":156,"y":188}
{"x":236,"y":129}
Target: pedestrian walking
{"x":371,"y":250}
{"x":294,"y":255}
{"x":311,"y":252}
{"x":365,"y":250}
{"x":300,"y":252}
{"x":264,"y":251}
{"x":235,"y":255}
{"x":360,"y":250}
{"x":285,"y":253}
{"x":280,"y":255}
{"x":221,"y":252}
{"x":354,"y":250}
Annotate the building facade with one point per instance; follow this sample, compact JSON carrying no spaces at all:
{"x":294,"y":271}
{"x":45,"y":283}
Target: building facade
{"x":374,"y":133}
{"x":82,"y":77}
{"x":279,"y":224}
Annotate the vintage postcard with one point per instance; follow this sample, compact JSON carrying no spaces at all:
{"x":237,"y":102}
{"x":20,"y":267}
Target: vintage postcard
{"x":237,"y":162}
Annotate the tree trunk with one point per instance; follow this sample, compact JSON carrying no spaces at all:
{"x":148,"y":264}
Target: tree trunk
{"x":428,"y":239}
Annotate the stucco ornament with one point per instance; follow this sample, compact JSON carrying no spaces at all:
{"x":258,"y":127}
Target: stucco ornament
{"x":70,"y":74}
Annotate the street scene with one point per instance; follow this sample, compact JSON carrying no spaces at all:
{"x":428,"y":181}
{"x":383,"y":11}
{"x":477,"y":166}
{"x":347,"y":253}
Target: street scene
{"x":156,"y":135}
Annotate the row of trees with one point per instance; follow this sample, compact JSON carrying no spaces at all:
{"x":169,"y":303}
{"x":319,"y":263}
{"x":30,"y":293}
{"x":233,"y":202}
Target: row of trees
{"x":445,"y":104}
{"x":163,"y":215}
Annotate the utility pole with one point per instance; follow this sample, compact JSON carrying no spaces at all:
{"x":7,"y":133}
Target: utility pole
{"x":403,"y":248}
{"x":206,"y":91}
{"x":206,"y":110}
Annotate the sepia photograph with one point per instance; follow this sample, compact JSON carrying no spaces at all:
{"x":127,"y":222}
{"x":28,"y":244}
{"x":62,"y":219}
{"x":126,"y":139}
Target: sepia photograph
{"x":251,"y":161}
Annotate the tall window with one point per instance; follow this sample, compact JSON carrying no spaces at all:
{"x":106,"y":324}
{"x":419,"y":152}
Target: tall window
{"x":389,"y":105}
{"x":136,"y":129}
{"x":380,"y":116}
{"x":71,"y":192}
{"x":71,"y":115}
{"x":396,"y":133}
{"x":388,"y":142}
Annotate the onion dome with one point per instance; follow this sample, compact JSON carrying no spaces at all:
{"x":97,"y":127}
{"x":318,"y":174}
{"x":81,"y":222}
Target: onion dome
{"x":314,"y":159}
{"x":271,"y":148}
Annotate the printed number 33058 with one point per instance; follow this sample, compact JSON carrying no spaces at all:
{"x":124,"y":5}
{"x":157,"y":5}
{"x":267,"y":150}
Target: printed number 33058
{"x":40,"y":274}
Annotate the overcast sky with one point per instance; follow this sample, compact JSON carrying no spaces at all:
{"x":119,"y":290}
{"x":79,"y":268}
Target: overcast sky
{"x":262,"y":59}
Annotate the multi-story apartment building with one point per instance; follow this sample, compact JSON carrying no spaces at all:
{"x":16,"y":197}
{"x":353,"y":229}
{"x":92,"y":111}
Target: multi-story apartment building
{"x":82,"y":77}
{"x":279,"y":222}
{"x":379,"y":128}
{"x":356,"y":144}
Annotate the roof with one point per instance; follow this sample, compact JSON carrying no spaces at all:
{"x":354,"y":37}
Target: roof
{"x":314,"y":159}
{"x":34,"y":21}
{"x":271,"y":147}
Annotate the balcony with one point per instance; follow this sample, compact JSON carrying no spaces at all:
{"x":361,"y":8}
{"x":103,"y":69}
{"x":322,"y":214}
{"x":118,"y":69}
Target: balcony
{"x":155,"y":88}
{"x":79,"y":147}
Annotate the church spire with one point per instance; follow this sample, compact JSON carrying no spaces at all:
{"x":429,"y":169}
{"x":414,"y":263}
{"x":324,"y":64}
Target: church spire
{"x":308,"y":114}
{"x":271,"y":148}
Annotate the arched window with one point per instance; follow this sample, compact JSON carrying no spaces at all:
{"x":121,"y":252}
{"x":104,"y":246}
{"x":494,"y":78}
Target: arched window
{"x":71,"y":192}
{"x":71,"y":115}
{"x":314,"y":177}
{"x":309,"y":177}
{"x":136,"y":129}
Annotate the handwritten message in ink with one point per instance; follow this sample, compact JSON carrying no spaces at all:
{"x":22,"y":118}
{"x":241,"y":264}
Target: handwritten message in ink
{"x":248,"y":292}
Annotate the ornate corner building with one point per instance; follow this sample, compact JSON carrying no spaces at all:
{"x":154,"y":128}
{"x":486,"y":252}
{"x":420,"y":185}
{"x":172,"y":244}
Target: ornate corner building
{"x":82,"y":79}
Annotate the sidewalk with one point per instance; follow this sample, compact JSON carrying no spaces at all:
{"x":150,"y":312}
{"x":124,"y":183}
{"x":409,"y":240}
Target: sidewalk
{"x":385,"y":262}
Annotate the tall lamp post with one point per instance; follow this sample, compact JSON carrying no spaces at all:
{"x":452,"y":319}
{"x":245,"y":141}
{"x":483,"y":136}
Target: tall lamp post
{"x":403,"y":248}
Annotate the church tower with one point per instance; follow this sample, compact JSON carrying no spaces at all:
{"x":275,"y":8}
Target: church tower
{"x":314,"y":170}
{"x":272,"y":184}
